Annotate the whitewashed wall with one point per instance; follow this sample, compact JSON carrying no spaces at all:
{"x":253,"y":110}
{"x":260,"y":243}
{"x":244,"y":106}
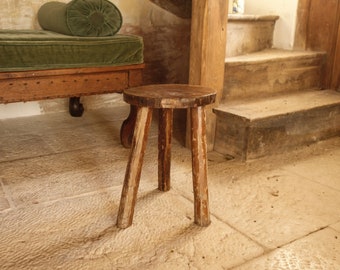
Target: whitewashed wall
{"x":285,"y":26}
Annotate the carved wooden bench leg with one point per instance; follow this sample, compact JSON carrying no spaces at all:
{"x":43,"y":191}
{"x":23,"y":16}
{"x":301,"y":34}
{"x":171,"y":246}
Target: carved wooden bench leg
{"x":76,"y":108}
{"x":127,"y":128}
{"x":199,"y":165}
{"x":134,"y":168}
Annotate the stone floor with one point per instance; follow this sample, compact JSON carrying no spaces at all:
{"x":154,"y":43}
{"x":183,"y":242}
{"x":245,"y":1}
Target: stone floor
{"x":61,"y":180}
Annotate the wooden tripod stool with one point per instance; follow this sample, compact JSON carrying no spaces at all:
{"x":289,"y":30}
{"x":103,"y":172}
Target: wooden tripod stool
{"x":167,"y":97}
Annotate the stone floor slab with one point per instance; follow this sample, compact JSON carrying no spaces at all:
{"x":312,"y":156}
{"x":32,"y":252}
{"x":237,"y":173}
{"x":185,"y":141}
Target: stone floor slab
{"x":320,"y":250}
{"x":80,"y":233}
{"x":4,"y":204}
{"x":272,"y":208}
{"x":323,"y":169}
{"x":63,"y":175}
{"x":23,"y":147}
{"x":70,"y":139}
{"x":48,"y":123}
{"x":336,"y":226}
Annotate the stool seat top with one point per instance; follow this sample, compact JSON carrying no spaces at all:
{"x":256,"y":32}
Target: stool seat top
{"x":169,"y":96}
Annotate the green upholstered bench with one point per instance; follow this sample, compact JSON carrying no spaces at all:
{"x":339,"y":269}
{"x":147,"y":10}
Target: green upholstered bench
{"x":39,"y":64}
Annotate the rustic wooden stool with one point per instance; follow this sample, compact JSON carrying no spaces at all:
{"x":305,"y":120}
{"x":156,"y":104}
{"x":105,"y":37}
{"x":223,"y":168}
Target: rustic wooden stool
{"x":167,"y":97}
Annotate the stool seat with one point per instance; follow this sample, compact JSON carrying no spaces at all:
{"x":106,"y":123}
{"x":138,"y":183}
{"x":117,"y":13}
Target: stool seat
{"x":165,"y":98}
{"x":173,"y":96}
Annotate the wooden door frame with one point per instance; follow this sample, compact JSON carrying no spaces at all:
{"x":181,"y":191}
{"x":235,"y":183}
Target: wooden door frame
{"x":335,"y":81}
{"x":318,"y":28}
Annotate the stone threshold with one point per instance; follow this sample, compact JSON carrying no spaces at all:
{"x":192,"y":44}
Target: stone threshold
{"x":271,"y":55}
{"x":250,"y":17}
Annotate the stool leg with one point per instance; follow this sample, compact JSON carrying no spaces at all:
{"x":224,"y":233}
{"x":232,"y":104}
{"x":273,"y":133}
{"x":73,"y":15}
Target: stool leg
{"x":199,"y":166}
{"x":164,"y":148}
{"x":134,"y":168}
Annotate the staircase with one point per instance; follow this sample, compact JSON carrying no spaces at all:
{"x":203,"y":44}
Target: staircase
{"x":272,"y":99}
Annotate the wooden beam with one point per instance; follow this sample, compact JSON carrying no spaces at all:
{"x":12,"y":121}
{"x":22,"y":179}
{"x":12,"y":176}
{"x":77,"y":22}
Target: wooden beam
{"x":207,"y":51}
{"x":335,"y":83}
{"x":322,"y":32}
{"x":318,"y":29}
{"x":301,"y":28}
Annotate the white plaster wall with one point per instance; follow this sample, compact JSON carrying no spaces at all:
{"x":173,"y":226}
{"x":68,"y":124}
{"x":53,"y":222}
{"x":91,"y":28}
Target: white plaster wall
{"x":14,"y":110}
{"x":285,"y":26}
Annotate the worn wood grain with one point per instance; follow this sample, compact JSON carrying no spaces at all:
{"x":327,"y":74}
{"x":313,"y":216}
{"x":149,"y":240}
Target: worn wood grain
{"x":199,"y":166}
{"x":322,"y":34}
{"x":166,"y":98}
{"x":127,"y":128}
{"x":164,"y":148}
{"x":335,"y":83}
{"x":262,"y":127}
{"x":176,"y":96}
{"x":134,"y":167}
{"x":207,"y":51}
{"x":301,"y":28}
{"x":58,"y":83}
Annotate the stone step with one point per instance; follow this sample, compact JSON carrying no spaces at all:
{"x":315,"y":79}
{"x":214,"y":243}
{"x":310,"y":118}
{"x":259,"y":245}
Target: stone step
{"x":271,"y":71}
{"x":249,"y":33}
{"x":253,"y":129}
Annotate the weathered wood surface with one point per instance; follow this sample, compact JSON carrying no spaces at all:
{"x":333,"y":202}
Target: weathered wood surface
{"x":167,"y":97}
{"x":175,"y":96}
{"x":22,"y":86}
{"x":58,"y":83}
{"x":134,"y":167}
{"x":164,"y":148}
{"x":181,"y":8}
{"x":318,"y":29}
{"x":322,"y":32}
{"x":127,"y":128}
{"x":301,"y":28}
{"x":335,"y":83}
{"x":207,"y":52}
{"x":199,"y":165}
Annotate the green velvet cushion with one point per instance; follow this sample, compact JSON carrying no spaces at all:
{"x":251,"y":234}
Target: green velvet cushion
{"x":35,"y":50}
{"x":87,"y":18}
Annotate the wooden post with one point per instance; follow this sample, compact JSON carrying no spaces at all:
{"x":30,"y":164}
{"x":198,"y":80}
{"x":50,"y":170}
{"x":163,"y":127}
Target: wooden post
{"x":335,"y":83}
{"x":207,"y":52}
{"x":318,"y":29}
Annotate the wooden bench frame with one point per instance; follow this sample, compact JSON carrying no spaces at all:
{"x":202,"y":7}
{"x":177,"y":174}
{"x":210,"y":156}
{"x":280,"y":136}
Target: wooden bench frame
{"x":33,"y":85}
